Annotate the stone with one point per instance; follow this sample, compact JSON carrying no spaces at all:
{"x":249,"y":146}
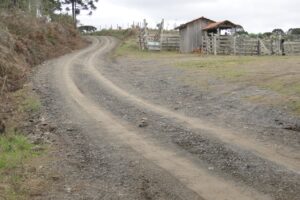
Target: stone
{"x":38,"y":140}
{"x":55,"y":177}
{"x":70,"y":129}
{"x":143,"y":123}
{"x":37,"y":148}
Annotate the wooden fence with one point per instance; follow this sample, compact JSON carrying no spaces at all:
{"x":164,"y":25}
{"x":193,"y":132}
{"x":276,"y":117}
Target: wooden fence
{"x":244,"y":45}
{"x":292,"y":47}
{"x":157,"y":40}
{"x":170,"y":42}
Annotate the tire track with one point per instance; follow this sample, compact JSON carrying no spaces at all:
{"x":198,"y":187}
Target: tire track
{"x":265,"y":151}
{"x":194,"y":177}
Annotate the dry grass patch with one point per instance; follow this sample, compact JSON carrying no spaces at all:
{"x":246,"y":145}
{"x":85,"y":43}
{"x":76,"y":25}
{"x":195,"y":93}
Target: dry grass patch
{"x":280,"y":75}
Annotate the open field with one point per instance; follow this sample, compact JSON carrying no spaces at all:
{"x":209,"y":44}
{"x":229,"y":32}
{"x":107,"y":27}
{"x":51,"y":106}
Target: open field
{"x":279,"y":75}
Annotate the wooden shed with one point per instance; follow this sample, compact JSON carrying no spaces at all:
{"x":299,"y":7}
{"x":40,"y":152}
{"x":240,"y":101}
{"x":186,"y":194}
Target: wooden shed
{"x":191,"y":34}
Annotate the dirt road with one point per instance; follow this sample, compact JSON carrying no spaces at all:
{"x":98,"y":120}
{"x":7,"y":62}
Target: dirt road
{"x":134,"y":145}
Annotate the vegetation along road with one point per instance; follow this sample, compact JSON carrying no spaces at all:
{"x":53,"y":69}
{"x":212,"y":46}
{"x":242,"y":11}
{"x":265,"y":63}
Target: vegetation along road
{"x":145,"y":128}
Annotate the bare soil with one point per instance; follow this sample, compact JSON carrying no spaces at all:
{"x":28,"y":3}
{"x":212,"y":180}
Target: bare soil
{"x":134,"y":128}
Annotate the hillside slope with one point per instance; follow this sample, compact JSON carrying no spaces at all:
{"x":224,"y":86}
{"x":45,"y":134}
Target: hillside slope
{"x":25,"y":42}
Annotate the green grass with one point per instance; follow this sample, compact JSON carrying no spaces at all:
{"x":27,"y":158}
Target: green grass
{"x":26,"y":101}
{"x":14,"y":149}
{"x":120,"y":34}
{"x":226,"y":67}
{"x":31,"y":104}
{"x":130,"y":48}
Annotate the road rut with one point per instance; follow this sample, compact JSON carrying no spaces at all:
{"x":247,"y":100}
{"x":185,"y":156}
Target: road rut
{"x":190,"y":171}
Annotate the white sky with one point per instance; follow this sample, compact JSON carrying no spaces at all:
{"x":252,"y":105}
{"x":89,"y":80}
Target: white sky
{"x":253,"y":15}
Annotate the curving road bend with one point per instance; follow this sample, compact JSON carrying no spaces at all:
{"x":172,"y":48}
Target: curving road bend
{"x":109,"y":114}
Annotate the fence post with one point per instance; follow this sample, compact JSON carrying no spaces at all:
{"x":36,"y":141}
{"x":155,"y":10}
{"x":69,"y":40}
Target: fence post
{"x":207,"y":45}
{"x":234,"y":45}
{"x":215,"y":44}
{"x":272,"y":48}
{"x":258,"y":47}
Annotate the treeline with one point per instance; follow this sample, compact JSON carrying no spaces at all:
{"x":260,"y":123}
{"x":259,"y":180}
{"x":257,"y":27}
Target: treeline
{"x":50,"y":7}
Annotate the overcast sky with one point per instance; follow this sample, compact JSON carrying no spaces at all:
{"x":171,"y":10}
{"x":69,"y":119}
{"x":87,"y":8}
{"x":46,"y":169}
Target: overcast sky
{"x":253,"y":15}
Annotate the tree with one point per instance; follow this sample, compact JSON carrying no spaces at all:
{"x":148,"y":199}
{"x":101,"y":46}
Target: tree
{"x":78,"y":5}
{"x":267,"y":34}
{"x":87,"y":29}
{"x":278,"y":31}
{"x":50,"y":6}
{"x":294,"y":31}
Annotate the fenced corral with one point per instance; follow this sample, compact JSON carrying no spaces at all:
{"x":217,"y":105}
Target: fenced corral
{"x":245,"y":45}
{"x":157,"y":40}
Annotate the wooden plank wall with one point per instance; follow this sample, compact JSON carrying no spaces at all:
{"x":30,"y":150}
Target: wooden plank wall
{"x":170,"y":42}
{"x":191,"y":36}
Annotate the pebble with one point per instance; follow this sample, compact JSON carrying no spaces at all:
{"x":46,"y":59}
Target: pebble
{"x":143,"y":123}
{"x":37,"y":148}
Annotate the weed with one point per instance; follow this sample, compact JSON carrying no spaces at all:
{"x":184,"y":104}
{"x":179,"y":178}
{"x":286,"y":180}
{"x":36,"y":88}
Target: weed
{"x":31,"y":104}
{"x":13,"y":150}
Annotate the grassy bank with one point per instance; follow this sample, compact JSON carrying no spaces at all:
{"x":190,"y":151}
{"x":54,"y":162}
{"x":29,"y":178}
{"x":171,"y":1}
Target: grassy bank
{"x":16,"y":150}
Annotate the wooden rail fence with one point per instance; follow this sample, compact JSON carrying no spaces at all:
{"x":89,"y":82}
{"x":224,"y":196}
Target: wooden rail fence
{"x":244,"y":45}
{"x":157,"y":40}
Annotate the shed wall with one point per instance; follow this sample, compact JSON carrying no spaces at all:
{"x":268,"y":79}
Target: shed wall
{"x":191,"y":36}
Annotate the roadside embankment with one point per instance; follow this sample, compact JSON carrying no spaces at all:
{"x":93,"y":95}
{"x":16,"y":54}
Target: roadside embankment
{"x":26,"y":41}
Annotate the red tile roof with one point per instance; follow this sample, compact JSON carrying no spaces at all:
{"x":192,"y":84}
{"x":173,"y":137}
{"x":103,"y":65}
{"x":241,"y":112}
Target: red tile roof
{"x":219,"y":24}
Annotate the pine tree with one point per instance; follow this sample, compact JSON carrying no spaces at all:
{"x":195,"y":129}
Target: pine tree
{"x":78,"y":5}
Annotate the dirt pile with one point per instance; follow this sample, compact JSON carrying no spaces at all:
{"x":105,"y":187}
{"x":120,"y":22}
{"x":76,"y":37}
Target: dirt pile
{"x":26,"y":41}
